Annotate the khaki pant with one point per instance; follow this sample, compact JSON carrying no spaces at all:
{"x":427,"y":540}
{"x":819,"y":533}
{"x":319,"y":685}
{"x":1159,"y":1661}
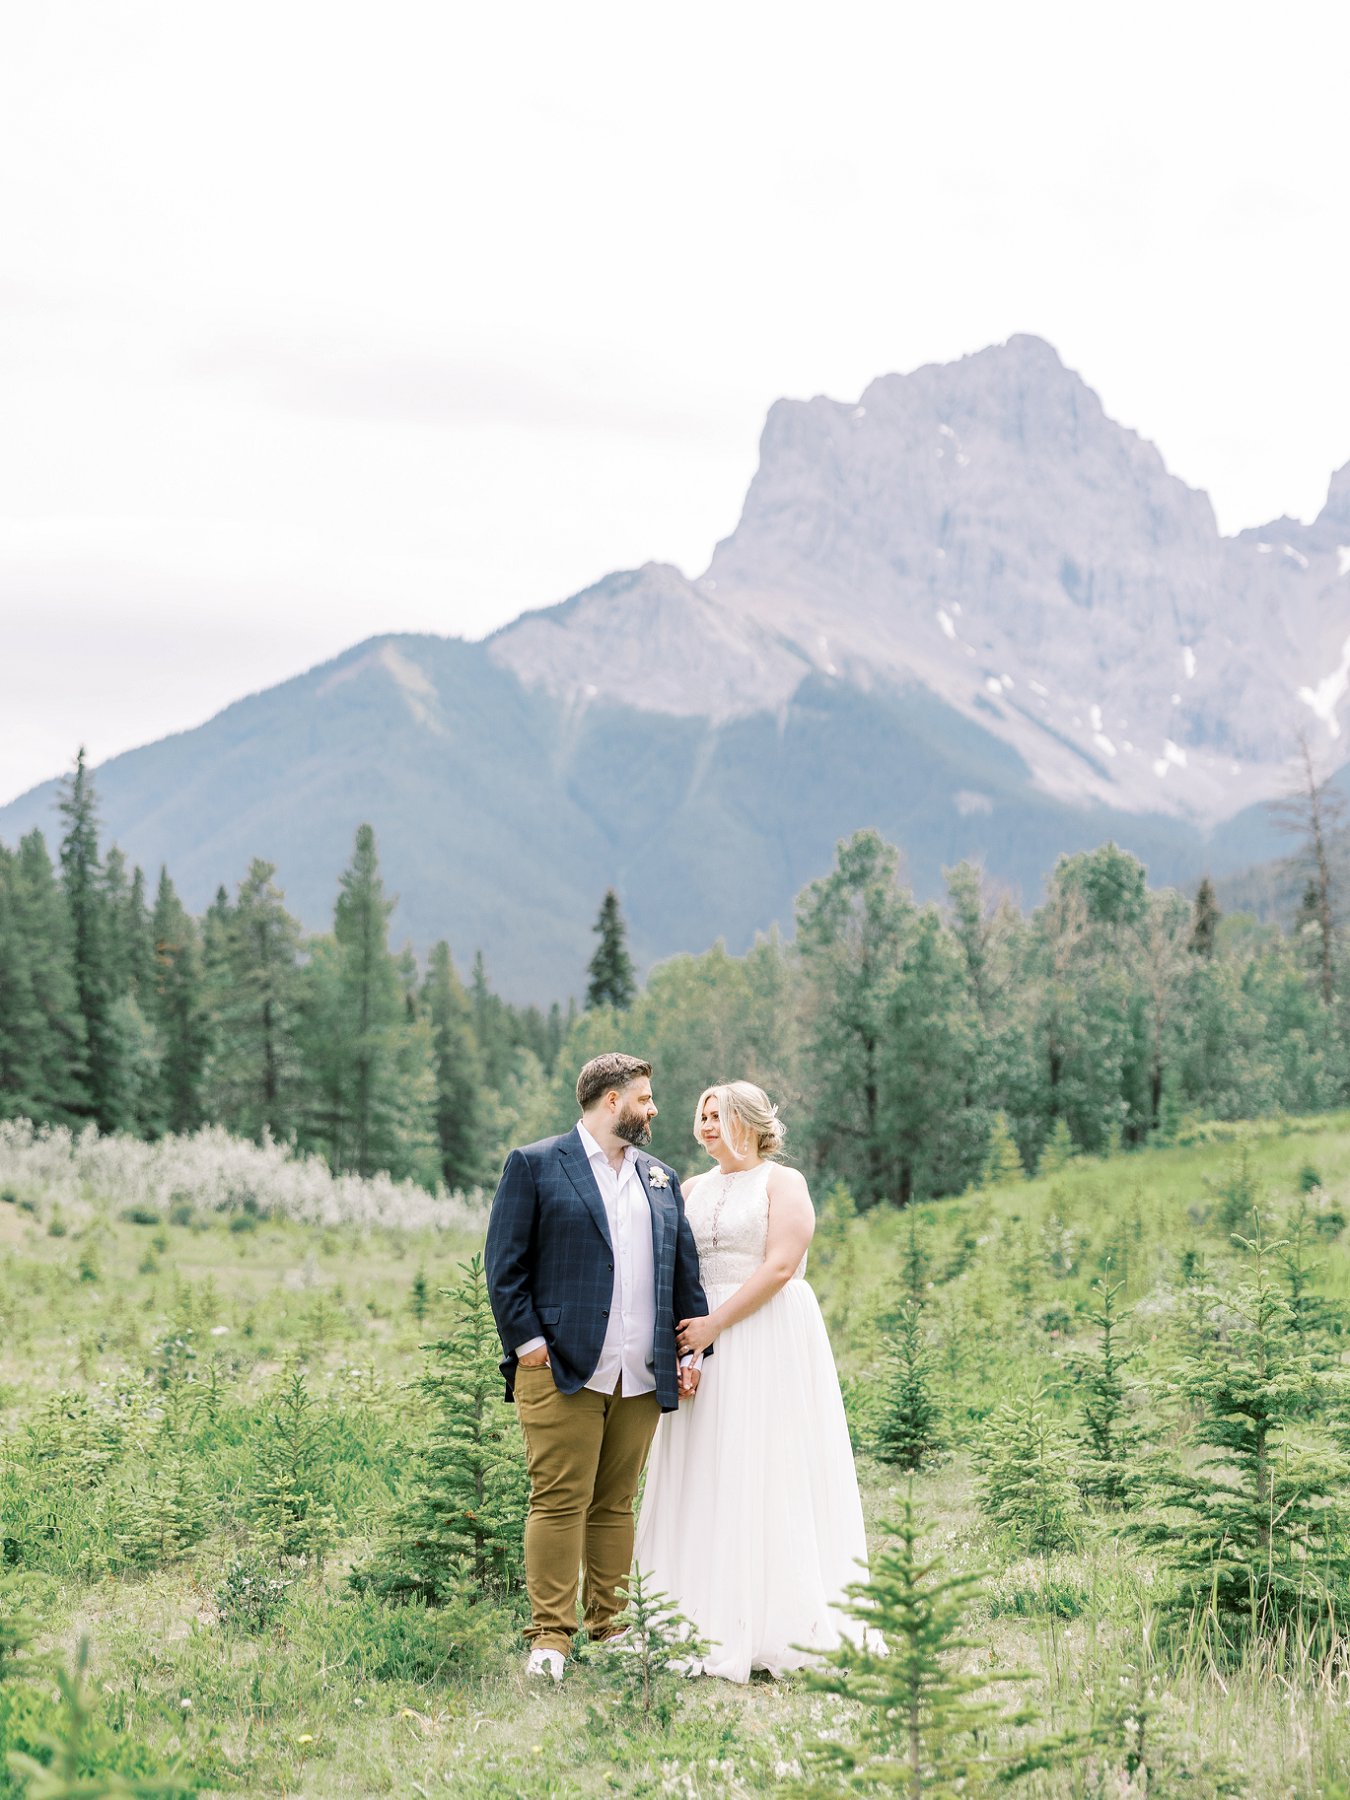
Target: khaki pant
{"x":585,"y":1453}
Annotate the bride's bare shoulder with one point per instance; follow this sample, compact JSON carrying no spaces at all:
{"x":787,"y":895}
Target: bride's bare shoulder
{"x":690,"y":1182}
{"x":789,"y":1185}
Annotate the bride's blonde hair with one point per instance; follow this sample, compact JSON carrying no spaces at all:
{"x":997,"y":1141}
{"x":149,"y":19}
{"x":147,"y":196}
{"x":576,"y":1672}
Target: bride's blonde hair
{"x":748,"y":1118}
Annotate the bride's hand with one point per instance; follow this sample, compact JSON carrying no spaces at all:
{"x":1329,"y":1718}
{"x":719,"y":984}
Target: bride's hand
{"x":694,"y":1334}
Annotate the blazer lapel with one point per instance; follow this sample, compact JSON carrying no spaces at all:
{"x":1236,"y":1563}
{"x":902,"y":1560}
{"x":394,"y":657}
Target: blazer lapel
{"x":578,"y":1167}
{"x":658,"y":1209}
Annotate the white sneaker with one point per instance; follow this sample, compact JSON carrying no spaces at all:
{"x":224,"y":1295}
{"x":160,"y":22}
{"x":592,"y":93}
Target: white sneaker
{"x":546,"y":1662}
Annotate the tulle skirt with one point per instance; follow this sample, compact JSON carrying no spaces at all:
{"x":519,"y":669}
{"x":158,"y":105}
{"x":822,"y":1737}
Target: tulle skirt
{"x":751,"y":1520}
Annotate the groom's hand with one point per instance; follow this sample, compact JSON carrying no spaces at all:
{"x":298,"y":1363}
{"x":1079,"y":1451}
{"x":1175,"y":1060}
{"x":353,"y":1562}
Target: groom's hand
{"x":534,"y":1359}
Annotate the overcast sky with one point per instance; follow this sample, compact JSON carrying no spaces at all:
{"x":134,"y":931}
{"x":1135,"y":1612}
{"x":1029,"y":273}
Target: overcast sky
{"x":318,"y":320}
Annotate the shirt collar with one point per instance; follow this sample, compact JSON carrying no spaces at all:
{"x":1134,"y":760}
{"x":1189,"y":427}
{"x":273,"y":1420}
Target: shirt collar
{"x":594,"y":1150}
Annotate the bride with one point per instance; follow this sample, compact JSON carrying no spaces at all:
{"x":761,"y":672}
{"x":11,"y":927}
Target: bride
{"x":751,"y":1520}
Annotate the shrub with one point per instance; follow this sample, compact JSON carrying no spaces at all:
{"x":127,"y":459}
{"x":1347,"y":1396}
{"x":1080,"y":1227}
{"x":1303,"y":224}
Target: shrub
{"x":250,"y":1595}
{"x":141,"y":1215}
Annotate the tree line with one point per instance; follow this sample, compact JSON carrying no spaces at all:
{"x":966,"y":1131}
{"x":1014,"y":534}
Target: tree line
{"x":121,"y":1010}
{"x":908,"y":1044}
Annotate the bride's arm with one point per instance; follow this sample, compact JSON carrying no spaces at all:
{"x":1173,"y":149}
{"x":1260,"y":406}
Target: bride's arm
{"x":792,"y":1222}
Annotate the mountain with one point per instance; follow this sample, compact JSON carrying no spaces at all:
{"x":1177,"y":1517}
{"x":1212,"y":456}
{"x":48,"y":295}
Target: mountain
{"x":970,"y":610}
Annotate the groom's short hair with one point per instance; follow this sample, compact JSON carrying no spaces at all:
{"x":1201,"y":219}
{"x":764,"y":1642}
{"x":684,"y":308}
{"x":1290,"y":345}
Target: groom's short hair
{"x":612,"y":1070}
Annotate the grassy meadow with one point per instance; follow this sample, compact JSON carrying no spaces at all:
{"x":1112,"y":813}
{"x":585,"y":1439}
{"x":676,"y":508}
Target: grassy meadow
{"x":172,"y":1373}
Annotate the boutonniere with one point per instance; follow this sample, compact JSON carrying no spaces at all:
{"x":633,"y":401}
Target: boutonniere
{"x":657,"y":1176}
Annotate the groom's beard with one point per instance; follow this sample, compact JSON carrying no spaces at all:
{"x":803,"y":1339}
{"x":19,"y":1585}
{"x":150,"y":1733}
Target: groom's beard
{"x":633,"y":1128}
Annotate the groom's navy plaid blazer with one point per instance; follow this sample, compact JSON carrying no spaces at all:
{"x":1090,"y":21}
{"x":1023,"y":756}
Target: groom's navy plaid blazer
{"x":550,"y":1264}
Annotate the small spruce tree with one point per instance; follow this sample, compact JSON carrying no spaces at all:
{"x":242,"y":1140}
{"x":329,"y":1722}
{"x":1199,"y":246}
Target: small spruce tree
{"x":660,"y":1642}
{"x":909,"y":1424}
{"x":1059,"y":1149}
{"x":463,"y":1519}
{"x":1027,"y":1481}
{"x":165,"y":1511}
{"x":1250,"y":1515}
{"x":929,"y":1728}
{"x":1003,"y":1160}
{"x":1112,"y":1441}
{"x":288,"y":1501}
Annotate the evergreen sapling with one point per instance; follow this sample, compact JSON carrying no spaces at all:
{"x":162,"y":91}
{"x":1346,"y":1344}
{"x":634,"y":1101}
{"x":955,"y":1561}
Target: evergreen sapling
{"x":929,"y":1727}
{"x":1251,"y":1517}
{"x":463,"y":1519}
{"x":1028,"y":1475}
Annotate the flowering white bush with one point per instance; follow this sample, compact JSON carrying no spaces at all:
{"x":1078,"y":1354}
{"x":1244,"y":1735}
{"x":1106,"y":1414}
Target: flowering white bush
{"x":213,"y":1172}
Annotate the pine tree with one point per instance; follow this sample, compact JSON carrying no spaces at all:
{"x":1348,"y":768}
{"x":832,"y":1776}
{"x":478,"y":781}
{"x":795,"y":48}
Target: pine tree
{"x":610,"y":979}
{"x":1027,"y":1472}
{"x":82,"y":884}
{"x":853,"y":927}
{"x":660,"y":1642}
{"x":928,"y":1728}
{"x":165,"y":1512}
{"x":369,"y":1000}
{"x":20,"y":1021}
{"x":491,"y":1027}
{"x":1108,"y":1471}
{"x":177,"y":999}
{"x":1205,"y":920}
{"x":463,"y":1520}
{"x":254,"y":948}
{"x":909,"y":1429}
{"x":1315,"y":811}
{"x":58,"y":1047}
{"x":369,"y":1049}
{"x":1059,"y":1150}
{"x":459,"y":1073}
{"x":1251,"y":1515}
{"x":1003,"y":1160}
{"x":288,"y":1499}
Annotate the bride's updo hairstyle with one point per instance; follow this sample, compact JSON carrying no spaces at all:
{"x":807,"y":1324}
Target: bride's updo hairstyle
{"x":749,"y":1121}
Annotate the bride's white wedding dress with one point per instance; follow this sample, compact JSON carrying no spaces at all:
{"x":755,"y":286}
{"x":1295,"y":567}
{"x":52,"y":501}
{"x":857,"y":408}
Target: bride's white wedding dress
{"x":751,"y":1520}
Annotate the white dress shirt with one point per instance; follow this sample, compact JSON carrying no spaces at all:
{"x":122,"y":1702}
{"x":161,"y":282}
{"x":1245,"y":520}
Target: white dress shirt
{"x":628,"y":1352}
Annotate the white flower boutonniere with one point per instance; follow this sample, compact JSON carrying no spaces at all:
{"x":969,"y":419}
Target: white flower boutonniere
{"x":657,"y":1177}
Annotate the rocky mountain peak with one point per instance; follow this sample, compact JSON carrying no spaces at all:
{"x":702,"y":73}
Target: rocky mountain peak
{"x":984,"y":530}
{"x":1337,"y":509}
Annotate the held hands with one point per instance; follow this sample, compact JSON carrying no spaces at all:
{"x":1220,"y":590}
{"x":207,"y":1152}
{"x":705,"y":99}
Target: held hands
{"x":688,"y":1382}
{"x":694,"y":1334}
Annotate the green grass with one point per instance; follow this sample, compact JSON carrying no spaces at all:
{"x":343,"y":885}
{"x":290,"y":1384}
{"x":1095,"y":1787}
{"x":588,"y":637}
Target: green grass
{"x":341,"y":1695}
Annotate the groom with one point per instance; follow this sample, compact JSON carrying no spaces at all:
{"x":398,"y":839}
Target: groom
{"x":590,"y":1263}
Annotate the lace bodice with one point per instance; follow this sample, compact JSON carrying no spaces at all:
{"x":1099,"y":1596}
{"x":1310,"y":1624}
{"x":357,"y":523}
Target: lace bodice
{"x":729,"y":1216}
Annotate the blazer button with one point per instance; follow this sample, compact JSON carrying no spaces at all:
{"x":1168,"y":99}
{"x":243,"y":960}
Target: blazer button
{"x":609,"y":1265}
{"x":605,"y":1313}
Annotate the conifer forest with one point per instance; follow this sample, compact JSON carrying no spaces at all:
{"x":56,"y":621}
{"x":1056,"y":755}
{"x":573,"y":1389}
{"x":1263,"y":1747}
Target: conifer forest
{"x":1082,"y":1180}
